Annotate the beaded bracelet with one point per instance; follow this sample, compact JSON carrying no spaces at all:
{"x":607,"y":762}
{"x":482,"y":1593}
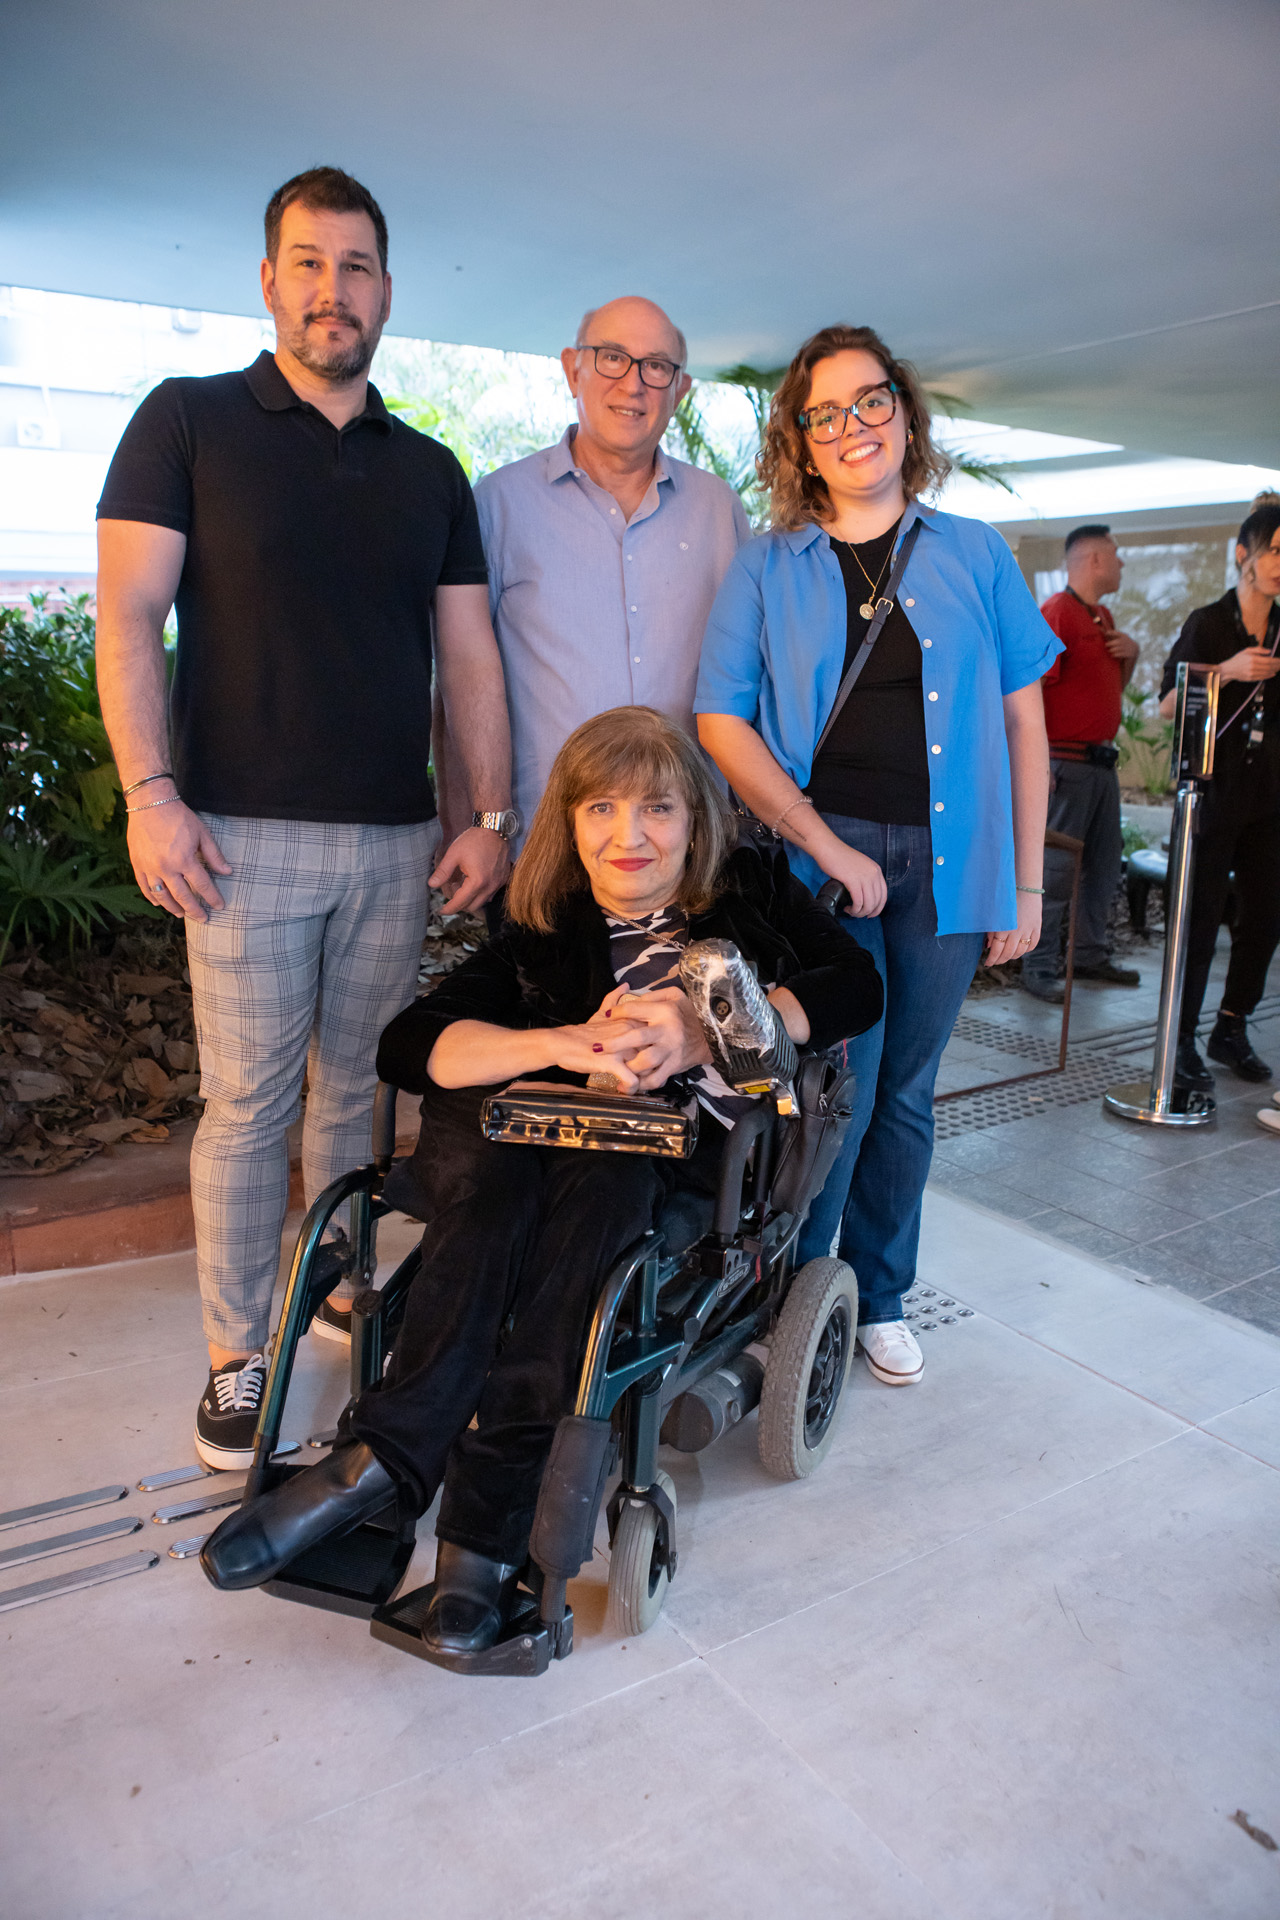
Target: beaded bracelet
{"x":803,"y":801}
{"x":148,"y":804}
{"x":1028,"y":889}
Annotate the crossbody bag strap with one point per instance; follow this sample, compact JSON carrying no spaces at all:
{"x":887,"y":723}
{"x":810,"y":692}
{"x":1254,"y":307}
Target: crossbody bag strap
{"x":878,"y":618}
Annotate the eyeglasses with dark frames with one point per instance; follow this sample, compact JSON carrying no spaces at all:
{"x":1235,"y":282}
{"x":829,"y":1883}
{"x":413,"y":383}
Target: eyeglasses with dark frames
{"x":613,"y":363}
{"x":827,"y":421}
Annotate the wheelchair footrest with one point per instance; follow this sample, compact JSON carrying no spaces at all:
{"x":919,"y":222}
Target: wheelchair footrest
{"x":526,"y":1648}
{"x":355,"y":1573}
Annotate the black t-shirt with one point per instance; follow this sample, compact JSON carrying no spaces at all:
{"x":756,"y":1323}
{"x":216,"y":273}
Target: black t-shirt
{"x":302,"y":689}
{"x":1212,"y":634}
{"x":875,"y":764}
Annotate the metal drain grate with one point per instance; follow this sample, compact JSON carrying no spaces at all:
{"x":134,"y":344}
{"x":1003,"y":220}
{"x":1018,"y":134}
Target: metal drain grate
{"x":987,"y":1033}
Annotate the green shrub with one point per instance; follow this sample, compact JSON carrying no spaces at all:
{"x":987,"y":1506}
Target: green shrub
{"x":64,"y":864}
{"x":1145,"y":742}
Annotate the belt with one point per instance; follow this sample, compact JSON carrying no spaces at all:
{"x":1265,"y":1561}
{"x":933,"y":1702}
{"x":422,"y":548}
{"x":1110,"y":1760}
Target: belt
{"x":1098,"y":753}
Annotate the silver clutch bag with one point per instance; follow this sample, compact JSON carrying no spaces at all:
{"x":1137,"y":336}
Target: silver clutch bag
{"x":545,"y":1113}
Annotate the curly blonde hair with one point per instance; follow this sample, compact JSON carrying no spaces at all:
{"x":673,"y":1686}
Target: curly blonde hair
{"x":633,"y":752}
{"x":797,"y":496}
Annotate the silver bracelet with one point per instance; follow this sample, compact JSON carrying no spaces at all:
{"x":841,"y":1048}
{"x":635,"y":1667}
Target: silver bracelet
{"x":1016,"y":889}
{"x":803,"y":801}
{"x":148,"y":804}
{"x":146,"y":782}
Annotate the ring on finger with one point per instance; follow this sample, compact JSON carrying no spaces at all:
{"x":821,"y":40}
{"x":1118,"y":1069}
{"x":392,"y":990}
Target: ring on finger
{"x":157,"y":886}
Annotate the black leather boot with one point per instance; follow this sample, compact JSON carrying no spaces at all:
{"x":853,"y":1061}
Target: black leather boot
{"x":1229,"y":1045}
{"x":255,"y":1542}
{"x":1189,"y":1069}
{"x":471,"y":1602}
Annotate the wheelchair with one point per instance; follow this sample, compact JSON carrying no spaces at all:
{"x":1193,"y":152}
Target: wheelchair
{"x":701,"y":1320}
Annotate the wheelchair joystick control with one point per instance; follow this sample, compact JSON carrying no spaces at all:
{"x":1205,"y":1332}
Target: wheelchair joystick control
{"x":750,"y":1047}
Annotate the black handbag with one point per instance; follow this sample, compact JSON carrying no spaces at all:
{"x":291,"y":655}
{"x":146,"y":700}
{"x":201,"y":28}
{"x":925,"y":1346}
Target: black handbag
{"x":824,"y":1097}
{"x":546,"y":1113}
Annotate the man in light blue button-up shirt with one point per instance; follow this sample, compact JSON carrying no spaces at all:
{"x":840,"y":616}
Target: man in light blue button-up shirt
{"x":605,"y":553}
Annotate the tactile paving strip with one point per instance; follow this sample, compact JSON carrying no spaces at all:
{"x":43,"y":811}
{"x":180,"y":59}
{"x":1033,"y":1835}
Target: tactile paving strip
{"x":925,"y":1309}
{"x":989,"y":1033}
{"x":1096,"y":1066}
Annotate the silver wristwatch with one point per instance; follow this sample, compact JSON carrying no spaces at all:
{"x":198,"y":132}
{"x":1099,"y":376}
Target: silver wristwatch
{"x":506,"y":824}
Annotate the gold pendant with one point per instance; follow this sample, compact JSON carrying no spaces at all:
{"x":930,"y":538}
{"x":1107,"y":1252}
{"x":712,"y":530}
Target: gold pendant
{"x":866,"y":610}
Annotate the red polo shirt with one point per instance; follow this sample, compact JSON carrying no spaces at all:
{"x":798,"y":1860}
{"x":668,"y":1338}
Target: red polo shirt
{"x":1083,"y":686}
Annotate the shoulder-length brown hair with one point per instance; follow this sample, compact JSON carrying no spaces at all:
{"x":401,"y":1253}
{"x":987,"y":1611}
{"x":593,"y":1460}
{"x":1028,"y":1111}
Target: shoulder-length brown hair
{"x":797,"y":496}
{"x":632,"y":753}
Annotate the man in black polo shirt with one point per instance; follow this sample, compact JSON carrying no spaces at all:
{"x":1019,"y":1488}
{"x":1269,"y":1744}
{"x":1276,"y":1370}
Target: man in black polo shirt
{"x":308,"y":542}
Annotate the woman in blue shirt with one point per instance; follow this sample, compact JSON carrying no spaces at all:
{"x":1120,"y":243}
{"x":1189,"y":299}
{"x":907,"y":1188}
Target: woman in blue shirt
{"x":928,"y":796}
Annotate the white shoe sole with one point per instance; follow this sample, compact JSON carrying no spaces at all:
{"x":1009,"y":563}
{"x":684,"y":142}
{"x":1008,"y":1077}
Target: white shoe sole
{"x":341,"y":1336}
{"x":1268,"y":1123}
{"x":222,"y":1459}
{"x":885,"y":1377}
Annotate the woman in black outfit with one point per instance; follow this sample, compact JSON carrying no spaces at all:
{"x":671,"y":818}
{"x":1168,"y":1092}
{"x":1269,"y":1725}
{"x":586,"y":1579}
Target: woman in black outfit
{"x":628,"y":858}
{"x":1240,"y":821}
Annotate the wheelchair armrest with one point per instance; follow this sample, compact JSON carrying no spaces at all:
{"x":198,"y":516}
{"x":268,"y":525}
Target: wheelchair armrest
{"x":384,"y":1125}
{"x":733,"y":1167}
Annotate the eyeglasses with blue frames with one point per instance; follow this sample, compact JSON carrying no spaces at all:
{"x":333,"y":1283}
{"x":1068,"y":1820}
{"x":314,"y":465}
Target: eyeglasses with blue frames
{"x":613,"y":363}
{"x":827,"y":421}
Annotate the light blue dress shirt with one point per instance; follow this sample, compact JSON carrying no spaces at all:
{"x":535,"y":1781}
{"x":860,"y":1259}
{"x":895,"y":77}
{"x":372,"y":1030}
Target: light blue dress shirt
{"x":591,"y":610}
{"x":774,"y":655}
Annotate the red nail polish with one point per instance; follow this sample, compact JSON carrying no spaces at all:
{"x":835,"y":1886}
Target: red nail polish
{"x":596,"y":1047}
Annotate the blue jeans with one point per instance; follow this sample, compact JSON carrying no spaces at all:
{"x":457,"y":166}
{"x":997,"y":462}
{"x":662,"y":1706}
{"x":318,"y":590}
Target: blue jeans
{"x":873,"y":1193}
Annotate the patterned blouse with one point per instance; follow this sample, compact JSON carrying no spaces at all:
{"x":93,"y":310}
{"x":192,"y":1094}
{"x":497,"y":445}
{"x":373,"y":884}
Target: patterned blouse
{"x":645,"y":953}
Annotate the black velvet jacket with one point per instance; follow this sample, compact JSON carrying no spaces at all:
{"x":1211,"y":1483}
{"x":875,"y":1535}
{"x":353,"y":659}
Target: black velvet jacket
{"x":525,"y":979}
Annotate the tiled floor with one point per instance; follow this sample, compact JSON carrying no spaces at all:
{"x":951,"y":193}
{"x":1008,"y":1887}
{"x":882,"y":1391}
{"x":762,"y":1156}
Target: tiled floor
{"x":1195,"y":1209}
{"x":1008,"y":1655}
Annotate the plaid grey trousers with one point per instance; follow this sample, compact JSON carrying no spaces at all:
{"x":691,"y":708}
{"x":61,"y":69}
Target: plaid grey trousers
{"x":315,"y":950}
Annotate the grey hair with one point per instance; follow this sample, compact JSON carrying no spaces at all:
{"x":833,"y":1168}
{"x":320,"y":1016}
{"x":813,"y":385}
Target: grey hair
{"x":584,"y":328}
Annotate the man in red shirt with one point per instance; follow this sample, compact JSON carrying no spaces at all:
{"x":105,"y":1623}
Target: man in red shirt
{"x":1082,"y":692}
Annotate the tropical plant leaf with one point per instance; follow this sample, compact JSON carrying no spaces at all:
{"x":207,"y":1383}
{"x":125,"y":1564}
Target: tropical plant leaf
{"x":99,"y":789}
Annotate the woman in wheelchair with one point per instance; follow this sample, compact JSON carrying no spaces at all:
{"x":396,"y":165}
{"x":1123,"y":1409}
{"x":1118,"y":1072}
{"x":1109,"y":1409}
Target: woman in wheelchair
{"x":630,"y":855}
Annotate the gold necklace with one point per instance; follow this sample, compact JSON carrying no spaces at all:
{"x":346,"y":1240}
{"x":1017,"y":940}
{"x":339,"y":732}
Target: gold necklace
{"x":868,"y":607}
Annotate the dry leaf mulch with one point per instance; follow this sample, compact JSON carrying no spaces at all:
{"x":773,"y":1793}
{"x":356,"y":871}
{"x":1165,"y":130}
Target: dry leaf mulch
{"x":102,"y":1049}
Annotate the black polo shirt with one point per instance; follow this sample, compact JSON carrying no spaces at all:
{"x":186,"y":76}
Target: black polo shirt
{"x":302,"y":689}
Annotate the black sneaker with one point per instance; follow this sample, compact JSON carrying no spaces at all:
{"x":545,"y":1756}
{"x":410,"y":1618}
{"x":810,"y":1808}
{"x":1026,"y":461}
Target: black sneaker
{"x":1189,"y":1069}
{"x":227,"y":1417}
{"x":332,"y":1325}
{"x":1111,"y":975}
{"x":1228,"y":1044}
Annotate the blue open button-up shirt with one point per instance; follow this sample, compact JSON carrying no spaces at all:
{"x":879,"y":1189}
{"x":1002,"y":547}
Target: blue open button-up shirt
{"x":774,"y":656}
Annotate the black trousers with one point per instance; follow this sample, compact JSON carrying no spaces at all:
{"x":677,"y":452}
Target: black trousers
{"x":529,"y":1230}
{"x":1236,"y":834}
{"x":1085,"y":803}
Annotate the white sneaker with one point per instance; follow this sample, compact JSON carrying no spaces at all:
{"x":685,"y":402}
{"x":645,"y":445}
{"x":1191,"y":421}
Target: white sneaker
{"x":892,"y":1352}
{"x":1269,"y":1120}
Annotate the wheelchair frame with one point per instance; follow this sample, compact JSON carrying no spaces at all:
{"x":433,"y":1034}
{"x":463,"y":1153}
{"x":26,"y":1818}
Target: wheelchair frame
{"x":737,"y":1275}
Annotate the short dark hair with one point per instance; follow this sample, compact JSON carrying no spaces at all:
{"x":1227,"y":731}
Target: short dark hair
{"x":1259,"y":530}
{"x":1077,"y":534}
{"x":326,"y":190}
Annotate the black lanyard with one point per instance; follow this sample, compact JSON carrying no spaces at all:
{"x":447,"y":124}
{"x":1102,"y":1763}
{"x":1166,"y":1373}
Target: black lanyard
{"x":1255,"y":697}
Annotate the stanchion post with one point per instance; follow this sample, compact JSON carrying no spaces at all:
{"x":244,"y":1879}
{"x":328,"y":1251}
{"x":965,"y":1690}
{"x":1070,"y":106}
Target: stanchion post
{"x":1159,"y":1102}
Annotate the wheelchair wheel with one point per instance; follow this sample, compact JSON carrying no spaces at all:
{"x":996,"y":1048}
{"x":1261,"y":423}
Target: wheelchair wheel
{"x":638,"y":1581}
{"x":809,"y":1361}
